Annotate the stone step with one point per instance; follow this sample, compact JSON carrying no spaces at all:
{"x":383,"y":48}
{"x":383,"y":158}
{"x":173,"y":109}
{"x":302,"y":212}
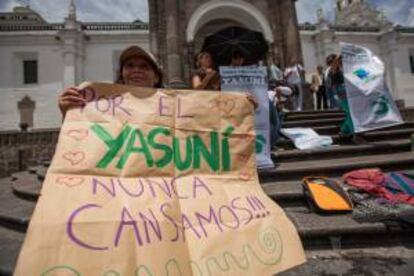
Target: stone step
{"x":297,"y":170}
{"x":333,"y":130}
{"x":373,"y":136}
{"x":320,"y":122}
{"x":290,"y":193}
{"x":312,"y":123}
{"x":15,"y":212}
{"x":342,"y":151}
{"x":313,"y":112}
{"x":302,"y":117}
{"x":332,"y":112}
{"x":323,"y":230}
{"x":285,"y":193}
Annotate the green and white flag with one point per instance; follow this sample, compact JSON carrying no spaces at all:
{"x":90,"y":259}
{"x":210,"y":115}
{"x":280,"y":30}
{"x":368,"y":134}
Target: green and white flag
{"x":370,"y":102}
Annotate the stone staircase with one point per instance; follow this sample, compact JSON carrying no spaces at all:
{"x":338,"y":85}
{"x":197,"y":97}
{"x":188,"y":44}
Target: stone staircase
{"x":388,"y":149}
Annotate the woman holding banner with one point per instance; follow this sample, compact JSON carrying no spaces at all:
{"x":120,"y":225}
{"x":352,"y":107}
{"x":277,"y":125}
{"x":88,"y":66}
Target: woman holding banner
{"x":338,"y":84}
{"x":137,"y":67}
{"x":205,"y":78}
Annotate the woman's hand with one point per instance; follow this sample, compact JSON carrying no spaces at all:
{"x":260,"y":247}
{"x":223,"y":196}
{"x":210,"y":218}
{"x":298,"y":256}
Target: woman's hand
{"x":252,"y":99}
{"x":210,"y":72}
{"x":70,"y":98}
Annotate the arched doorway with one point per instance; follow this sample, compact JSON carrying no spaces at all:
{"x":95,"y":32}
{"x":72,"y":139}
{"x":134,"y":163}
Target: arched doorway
{"x":177,"y":29}
{"x":215,"y":16}
{"x":239,"y":41}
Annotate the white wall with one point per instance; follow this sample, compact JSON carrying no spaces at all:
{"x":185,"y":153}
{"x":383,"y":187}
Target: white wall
{"x":47,"y":50}
{"x":101,"y":53}
{"x":309,"y":53}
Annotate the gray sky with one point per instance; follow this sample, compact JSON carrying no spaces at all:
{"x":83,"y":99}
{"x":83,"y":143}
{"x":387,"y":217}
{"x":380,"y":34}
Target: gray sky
{"x":398,"y":11}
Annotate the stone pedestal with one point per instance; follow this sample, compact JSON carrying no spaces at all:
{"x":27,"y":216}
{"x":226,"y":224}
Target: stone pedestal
{"x":26,"y":108}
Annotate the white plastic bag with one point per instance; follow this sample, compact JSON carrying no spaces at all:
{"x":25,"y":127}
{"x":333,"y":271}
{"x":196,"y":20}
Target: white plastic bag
{"x":306,"y":138}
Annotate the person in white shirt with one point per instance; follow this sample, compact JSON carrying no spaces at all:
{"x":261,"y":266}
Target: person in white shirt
{"x":277,"y":99}
{"x":275,"y":73}
{"x":333,"y":102}
{"x":293,"y":74}
{"x":318,"y":88}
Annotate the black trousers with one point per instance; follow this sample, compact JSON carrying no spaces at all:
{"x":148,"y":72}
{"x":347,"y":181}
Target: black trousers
{"x":321,"y":99}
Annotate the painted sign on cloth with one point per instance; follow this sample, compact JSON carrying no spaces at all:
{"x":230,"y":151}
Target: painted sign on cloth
{"x":157,"y":182}
{"x":252,"y":79}
{"x":370,"y":102}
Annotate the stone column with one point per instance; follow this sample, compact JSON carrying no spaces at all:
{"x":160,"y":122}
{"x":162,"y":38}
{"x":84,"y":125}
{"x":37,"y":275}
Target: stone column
{"x":324,"y":39}
{"x":275,"y":19}
{"x":388,"y":50}
{"x":73,"y":52}
{"x":153,"y":26}
{"x":69,"y":71}
{"x":190,"y":59}
{"x":289,"y":21}
{"x":80,"y":59}
{"x":175,"y":68}
{"x":325,"y":44}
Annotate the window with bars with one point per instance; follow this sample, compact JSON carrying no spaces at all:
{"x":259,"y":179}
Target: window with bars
{"x":30,"y":72}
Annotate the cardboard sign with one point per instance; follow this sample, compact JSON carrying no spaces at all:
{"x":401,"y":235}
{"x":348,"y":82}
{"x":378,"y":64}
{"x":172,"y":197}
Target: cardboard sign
{"x":147,"y":182}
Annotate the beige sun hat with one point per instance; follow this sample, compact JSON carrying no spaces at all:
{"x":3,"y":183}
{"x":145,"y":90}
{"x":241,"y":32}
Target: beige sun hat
{"x":136,"y":51}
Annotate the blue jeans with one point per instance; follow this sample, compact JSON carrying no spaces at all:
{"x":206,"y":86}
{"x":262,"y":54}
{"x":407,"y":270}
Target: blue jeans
{"x":275,"y":124}
{"x":332,"y":99}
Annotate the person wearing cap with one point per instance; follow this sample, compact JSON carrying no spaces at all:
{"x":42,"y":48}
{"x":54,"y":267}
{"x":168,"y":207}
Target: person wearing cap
{"x":137,"y":67}
{"x":277,"y":97}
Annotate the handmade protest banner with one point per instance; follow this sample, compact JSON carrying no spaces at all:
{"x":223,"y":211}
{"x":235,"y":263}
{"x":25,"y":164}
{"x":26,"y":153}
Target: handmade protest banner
{"x":252,"y":79}
{"x":370,"y":102}
{"x":157,"y":182}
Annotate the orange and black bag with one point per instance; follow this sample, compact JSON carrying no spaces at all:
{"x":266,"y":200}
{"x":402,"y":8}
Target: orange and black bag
{"x":325,"y":195}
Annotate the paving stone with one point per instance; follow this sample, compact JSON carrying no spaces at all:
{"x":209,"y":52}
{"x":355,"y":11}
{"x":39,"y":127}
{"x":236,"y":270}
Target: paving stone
{"x":10,"y":244}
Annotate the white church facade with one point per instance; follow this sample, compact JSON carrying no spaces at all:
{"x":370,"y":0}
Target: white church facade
{"x":39,"y":59}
